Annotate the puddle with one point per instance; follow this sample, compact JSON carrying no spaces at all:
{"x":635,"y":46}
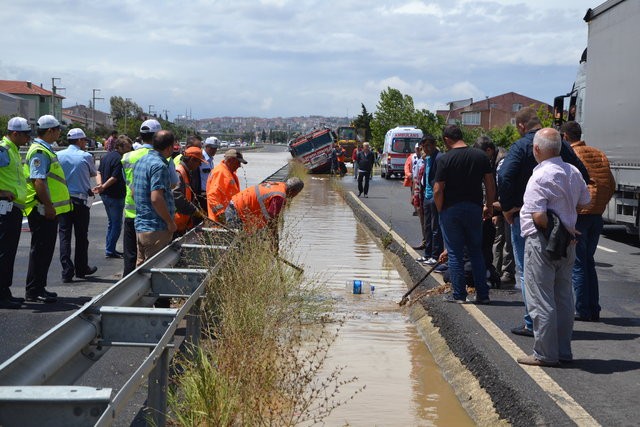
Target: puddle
{"x":377,"y":343}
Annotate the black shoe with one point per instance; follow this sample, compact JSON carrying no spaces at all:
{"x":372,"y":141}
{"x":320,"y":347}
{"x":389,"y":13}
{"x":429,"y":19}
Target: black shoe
{"x":16,"y":299}
{"x":67,"y":279}
{"x":450,"y":298}
{"x":419,"y":247}
{"x":116,"y":255}
{"x":88,"y":272}
{"x":8,"y":303}
{"x":360,"y":194}
{"x":41,"y":297}
{"x":414,"y":213}
{"x":522,"y":330}
{"x":478,"y":301}
{"x":50,"y":294}
{"x":366,"y":196}
{"x":586,"y":319}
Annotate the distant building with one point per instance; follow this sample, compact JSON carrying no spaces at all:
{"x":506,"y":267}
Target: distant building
{"x":39,"y":101}
{"x":489,"y":113}
{"x":86,"y":117}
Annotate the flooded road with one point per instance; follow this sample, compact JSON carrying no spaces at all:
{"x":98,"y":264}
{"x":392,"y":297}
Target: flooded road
{"x":377,"y":343}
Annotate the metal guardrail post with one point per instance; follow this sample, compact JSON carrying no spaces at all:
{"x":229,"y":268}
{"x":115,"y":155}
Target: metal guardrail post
{"x":194,"y":324}
{"x":158,"y":383}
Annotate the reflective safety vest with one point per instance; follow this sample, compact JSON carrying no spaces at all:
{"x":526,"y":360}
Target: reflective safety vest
{"x":184,"y":222}
{"x":176,"y":160}
{"x":12,"y":176}
{"x":128,"y":161}
{"x":56,"y":182}
{"x":252,"y":203}
{"x":222,"y":185}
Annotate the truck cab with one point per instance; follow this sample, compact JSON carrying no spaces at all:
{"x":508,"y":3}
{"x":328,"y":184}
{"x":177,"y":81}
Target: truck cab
{"x":399,"y":144}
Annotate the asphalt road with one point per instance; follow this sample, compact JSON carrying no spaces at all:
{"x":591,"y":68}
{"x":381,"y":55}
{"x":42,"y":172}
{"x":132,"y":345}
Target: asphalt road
{"x":604,"y":378}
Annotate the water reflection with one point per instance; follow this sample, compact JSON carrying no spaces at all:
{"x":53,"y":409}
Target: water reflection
{"x":377,"y":343}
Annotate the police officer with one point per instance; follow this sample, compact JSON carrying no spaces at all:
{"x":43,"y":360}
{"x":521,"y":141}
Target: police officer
{"x":13,"y":192}
{"x":79,"y":167}
{"x":129,"y":241}
{"x":47,"y":197}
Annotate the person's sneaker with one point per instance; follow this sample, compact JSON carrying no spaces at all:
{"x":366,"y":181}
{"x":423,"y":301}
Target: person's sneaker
{"x":431,"y":261}
{"x":366,"y":196}
{"x":50,"y":294}
{"x":360,"y":194}
{"x":522,"y":330}
{"x":41,"y":297}
{"x":421,"y":259}
{"x":114,"y":255}
{"x":507,"y":278}
{"x":451,"y":299}
{"x":533,"y":361}
{"x":478,"y":301}
{"x":441,"y":268}
{"x":67,"y":279}
{"x":418,"y":247}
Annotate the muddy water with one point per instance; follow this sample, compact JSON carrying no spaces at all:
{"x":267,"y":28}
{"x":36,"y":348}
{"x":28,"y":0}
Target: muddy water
{"x":377,"y":344}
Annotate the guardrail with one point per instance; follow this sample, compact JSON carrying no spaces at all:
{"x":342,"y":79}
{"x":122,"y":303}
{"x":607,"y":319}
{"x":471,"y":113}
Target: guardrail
{"x":37,"y":384}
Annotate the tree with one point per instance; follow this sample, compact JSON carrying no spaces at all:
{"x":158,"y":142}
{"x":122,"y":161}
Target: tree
{"x":263,"y":137}
{"x":362,"y":123}
{"x":394,"y":109}
{"x":121,"y":107}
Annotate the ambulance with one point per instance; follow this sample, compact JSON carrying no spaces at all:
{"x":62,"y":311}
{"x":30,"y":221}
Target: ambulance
{"x":399,"y":143}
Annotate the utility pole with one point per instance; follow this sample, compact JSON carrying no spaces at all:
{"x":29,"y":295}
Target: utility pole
{"x":126,"y":113}
{"x":150,"y":107}
{"x":93,"y":109}
{"x":166,"y":112}
{"x":53,"y":96}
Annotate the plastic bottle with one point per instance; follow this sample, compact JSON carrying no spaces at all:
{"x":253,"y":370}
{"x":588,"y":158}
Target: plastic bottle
{"x":358,"y":287}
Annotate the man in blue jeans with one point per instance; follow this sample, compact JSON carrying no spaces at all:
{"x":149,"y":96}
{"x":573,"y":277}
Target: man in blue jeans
{"x":512,"y":182}
{"x":112,"y":190}
{"x":457,"y":193}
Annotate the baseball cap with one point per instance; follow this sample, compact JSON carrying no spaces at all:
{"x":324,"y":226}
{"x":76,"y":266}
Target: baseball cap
{"x":212,"y":141}
{"x":47,"y":122}
{"x":18,"y":124}
{"x":233,"y":153}
{"x":76,"y":133}
{"x":150,"y":126}
{"x":194,"y":152}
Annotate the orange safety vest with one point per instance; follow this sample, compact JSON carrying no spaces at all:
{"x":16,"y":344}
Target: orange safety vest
{"x":252,"y":203}
{"x":341,"y":155}
{"x":184,"y":222}
{"x":222,"y":185}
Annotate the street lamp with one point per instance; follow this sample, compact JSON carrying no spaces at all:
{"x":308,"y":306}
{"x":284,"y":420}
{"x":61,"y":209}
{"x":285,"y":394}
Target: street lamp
{"x":126,"y":113}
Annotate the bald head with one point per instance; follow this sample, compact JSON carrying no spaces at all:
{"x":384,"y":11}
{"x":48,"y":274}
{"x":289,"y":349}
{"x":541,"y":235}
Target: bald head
{"x":294,"y":186}
{"x":546,"y":144}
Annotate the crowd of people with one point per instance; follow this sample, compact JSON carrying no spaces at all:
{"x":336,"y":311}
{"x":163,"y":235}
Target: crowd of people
{"x":160,"y":188}
{"x":530,"y":215}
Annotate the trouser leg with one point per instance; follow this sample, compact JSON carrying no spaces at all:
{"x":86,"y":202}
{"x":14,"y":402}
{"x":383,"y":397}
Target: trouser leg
{"x":472,"y":222}
{"x":453,"y":234}
{"x":43,"y":243}
{"x":360,"y":178}
{"x":129,"y":246}
{"x":565,"y":303}
{"x":426,"y":229}
{"x":65,"y":231}
{"x":10,"y":229}
{"x":367,"y":176}
{"x":517,"y":242}
{"x":81,"y":217}
{"x":498,"y":244}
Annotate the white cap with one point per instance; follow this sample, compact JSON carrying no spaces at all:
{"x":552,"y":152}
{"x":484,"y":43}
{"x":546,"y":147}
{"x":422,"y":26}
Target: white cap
{"x":47,"y":122}
{"x":18,"y":124}
{"x":150,"y":126}
{"x":417,"y":145}
{"x":76,"y":133}
{"x":136,"y":145}
{"x":211,"y":141}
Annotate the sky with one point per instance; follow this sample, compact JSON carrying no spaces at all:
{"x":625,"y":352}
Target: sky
{"x":281,"y":58}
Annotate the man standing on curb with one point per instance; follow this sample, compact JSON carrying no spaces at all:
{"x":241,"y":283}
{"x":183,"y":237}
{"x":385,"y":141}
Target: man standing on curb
{"x":47,"y":197}
{"x":188,"y":212}
{"x":512,"y":181}
{"x":457,"y":193}
{"x":13,"y":192}
{"x":589,"y":224}
{"x":547,"y":221}
{"x":78,"y":167}
{"x":129,"y":240}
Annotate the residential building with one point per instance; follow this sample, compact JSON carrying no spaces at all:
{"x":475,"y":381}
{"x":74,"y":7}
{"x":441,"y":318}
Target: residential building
{"x":87,"y":117}
{"x":39,"y":101}
{"x":496,"y":111}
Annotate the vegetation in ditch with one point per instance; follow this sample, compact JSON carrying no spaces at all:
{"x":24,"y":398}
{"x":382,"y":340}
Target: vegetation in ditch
{"x":267,"y":335}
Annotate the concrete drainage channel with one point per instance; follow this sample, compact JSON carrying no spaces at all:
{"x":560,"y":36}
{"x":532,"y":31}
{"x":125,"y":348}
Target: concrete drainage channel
{"x":37,"y":384}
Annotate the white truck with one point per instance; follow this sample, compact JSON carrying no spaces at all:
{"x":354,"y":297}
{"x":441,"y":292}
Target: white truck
{"x":605,"y":100}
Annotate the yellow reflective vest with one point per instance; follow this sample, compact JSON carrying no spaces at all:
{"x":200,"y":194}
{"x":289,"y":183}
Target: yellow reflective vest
{"x":12,"y":176}
{"x":128,"y":162}
{"x":56,"y":182}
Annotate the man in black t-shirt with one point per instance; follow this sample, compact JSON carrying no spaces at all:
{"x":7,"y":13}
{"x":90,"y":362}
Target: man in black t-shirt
{"x":457,"y":193}
{"x":112,"y":190}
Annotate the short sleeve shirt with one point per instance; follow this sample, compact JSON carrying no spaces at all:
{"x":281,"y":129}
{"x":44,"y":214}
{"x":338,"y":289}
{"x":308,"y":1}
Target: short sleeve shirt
{"x":462,"y":170}
{"x":151,"y":173}
{"x":40,"y":162}
{"x":111,"y":166}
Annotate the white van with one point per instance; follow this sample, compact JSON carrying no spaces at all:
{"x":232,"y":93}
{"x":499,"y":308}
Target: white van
{"x":399,"y":143}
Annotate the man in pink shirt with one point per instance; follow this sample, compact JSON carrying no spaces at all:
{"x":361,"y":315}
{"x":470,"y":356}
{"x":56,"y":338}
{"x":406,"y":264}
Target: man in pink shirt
{"x":554,"y":190}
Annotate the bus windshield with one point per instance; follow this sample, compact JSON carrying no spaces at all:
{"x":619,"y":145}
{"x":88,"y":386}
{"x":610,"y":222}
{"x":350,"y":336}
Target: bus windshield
{"x":404,"y":145}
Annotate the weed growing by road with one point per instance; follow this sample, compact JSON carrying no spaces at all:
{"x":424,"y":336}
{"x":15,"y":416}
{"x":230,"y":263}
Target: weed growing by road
{"x":264,"y":358}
